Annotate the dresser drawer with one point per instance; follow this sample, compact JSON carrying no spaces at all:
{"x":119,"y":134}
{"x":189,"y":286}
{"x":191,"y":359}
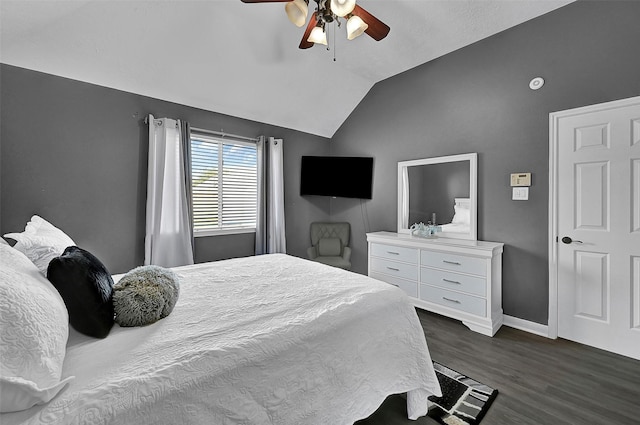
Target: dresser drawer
{"x":457,"y":282}
{"x":454,"y":262}
{"x":455,"y":300}
{"x":393,"y":268}
{"x":455,"y":278}
{"x":398,"y":253}
{"x":411,"y":288}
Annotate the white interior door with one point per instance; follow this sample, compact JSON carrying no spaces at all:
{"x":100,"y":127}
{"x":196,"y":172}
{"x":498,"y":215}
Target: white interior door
{"x":598,"y":225}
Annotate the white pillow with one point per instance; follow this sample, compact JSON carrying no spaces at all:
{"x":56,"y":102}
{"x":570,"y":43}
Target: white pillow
{"x":41,"y":242}
{"x":34,"y":328}
{"x":462,"y":215}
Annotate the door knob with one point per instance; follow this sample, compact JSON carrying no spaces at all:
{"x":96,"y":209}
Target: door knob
{"x":568,"y":240}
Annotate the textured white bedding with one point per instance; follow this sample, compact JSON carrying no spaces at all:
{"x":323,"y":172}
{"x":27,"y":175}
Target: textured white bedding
{"x":271,"y":339}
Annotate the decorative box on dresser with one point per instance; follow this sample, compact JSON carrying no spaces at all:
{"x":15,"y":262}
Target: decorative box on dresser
{"x":458,"y":278}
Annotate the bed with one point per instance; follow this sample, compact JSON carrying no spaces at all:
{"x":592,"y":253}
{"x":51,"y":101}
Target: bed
{"x":461,"y":221}
{"x":271,"y":339}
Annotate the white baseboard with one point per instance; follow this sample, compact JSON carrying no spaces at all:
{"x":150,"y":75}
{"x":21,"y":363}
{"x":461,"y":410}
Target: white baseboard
{"x":525,"y":325}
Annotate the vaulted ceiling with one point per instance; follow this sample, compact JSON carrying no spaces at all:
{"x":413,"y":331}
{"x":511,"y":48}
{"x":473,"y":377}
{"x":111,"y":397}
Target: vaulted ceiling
{"x":243,"y":59}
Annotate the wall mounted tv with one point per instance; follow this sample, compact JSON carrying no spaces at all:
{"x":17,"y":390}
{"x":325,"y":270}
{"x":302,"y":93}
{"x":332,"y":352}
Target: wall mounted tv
{"x":338,"y":176}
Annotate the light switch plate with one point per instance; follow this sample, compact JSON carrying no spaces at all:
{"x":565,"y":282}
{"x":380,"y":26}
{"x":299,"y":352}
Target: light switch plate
{"x":521,"y":179}
{"x":520,"y":194}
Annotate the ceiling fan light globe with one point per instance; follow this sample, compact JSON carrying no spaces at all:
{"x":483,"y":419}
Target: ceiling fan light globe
{"x":355,"y":27}
{"x":342,"y":7}
{"x":318,"y":36}
{"x":297,"y":11}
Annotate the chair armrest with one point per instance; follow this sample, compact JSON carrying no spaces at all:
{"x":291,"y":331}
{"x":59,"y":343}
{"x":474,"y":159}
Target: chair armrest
{"x":312,"y":252}
{"x":346,"y":253}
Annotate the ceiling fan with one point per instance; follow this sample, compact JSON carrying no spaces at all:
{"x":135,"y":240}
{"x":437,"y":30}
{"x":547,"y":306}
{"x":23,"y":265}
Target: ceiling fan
{"x":327,"y":11}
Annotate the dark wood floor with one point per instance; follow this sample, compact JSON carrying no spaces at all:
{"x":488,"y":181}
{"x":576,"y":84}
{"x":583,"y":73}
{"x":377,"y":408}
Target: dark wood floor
{"x":540,"y":381}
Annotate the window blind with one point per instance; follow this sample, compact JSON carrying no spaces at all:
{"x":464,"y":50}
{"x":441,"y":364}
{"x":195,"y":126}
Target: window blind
{"x":224,"y":177}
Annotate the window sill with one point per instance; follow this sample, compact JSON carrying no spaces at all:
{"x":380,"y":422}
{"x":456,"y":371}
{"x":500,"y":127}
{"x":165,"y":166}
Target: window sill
{"x":220,"y":232}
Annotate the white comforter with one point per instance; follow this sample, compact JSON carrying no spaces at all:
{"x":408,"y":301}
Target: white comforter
{"x":272,"y":339}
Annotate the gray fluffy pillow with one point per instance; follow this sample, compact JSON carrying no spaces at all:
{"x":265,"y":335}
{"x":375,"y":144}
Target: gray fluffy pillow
{"x":145,"y":295}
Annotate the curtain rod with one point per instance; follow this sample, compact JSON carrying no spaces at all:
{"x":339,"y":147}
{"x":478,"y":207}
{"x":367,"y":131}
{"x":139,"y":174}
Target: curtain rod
{"x":224,"y":135}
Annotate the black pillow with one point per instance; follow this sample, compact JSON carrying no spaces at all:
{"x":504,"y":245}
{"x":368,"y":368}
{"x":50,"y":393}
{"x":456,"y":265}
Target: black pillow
{"x":86,"y":288}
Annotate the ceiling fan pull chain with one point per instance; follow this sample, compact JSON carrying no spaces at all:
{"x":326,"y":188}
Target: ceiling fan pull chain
{"x":334,"y":43}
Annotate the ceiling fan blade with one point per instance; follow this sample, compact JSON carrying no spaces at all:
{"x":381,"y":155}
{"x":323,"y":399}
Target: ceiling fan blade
{"x":265,"y":1}
{"x":377,"y":29}
{"x":304,"y":43}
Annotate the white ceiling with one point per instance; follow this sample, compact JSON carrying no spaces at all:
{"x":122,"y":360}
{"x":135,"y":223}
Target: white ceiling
{"x":242,"y":59}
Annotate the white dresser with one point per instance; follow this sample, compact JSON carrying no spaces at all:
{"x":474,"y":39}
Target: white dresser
{"x":458,"y":278}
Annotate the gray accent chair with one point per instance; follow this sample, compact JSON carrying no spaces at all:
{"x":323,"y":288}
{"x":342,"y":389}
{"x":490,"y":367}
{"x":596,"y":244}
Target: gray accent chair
{"x":330,"y":244}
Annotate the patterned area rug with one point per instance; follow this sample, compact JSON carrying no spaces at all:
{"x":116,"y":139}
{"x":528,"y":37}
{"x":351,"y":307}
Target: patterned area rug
{"x":464,"y":401}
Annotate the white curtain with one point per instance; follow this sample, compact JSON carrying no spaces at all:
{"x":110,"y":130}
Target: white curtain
{"x":405,"y":197}
{"x":270,"y":229}
{"x":168,"y":240}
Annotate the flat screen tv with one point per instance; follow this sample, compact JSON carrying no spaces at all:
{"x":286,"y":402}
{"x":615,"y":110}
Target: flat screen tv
{"x":339,"y":176}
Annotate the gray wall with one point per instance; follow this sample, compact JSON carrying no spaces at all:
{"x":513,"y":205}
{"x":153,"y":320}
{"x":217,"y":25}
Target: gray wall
{"x":76,"y":154}
{"x":477,"y":99}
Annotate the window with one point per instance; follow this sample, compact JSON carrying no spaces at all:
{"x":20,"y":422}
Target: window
{"x":224,"y":182}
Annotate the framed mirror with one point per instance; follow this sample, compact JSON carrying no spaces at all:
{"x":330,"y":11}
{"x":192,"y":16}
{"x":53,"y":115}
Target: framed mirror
{"x":441,"y":188}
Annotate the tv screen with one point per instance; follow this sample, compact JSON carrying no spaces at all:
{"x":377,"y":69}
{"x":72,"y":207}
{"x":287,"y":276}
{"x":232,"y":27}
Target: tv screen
{"x":340,"y":176}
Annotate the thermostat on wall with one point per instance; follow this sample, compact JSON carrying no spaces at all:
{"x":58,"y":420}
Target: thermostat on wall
{"x":521,"y":179}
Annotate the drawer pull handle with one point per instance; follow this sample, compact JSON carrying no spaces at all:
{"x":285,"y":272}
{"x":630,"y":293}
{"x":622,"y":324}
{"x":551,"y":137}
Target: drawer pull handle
{"x":452,"y":281}
{"x":394,"y":253}
{"x":394,"y":269}
{"x":451,"y":262}
{"x":450,"y":300}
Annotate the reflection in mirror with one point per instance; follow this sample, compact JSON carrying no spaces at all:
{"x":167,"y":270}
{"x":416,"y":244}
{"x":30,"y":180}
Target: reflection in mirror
{"x":444,"y":183}
{"x":440,"y":191}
